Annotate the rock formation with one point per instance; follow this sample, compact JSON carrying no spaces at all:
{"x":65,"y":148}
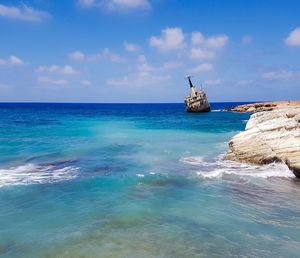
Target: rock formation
{"x":262,"y":106}
{"x":270,"y":136}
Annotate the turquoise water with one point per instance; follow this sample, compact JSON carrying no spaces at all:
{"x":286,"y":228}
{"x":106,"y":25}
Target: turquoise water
{"x":94,"y":180}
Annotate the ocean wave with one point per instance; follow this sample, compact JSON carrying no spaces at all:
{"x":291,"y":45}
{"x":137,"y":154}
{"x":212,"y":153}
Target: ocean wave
{"x":219,"y":168}
{"x":193,"y":160}
{"x":224,"y":168}
{"x":35,"y":174}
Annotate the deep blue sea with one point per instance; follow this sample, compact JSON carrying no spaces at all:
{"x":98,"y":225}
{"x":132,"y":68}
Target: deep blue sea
{"x":137,"y":180}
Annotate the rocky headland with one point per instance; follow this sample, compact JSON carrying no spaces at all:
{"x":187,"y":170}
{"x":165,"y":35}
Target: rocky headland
{"x":263,"y":106}
{"x":272,"y":134}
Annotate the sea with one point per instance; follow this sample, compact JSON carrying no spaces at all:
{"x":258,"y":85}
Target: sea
{"x":137,"y":180}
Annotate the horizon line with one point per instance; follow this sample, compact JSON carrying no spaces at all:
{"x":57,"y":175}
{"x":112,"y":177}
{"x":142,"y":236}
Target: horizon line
{"x":109,"y":103}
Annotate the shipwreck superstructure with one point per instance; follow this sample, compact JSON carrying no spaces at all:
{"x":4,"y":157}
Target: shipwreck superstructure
{"x":197,"y":100}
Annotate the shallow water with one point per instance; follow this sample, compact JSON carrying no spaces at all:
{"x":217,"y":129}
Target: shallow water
{"x":91,"y":180}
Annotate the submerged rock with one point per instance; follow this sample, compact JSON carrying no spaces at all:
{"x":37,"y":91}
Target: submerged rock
{"x":270,"y":136}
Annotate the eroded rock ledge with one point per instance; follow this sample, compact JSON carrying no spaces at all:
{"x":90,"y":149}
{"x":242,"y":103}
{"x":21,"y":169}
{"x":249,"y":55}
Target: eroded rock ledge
{"x":270,"y":136}
{"x":263,"y":106}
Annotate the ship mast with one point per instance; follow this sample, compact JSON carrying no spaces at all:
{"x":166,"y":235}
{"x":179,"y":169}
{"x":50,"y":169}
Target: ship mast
{"x":193,"y":88}
{"x":191,"y":84}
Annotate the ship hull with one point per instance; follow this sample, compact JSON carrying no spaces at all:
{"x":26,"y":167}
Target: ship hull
{"x":198,"y":109}
{"x":197,"y":106}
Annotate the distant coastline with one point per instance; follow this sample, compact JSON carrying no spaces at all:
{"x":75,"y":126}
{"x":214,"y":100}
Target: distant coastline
{"x":263,"y":106}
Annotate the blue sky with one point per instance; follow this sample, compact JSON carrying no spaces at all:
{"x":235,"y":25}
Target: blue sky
{"x":141,"y":50}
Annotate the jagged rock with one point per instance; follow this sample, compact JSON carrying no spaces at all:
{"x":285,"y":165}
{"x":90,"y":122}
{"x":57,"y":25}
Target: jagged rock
{"x":262,"y":106}
{"x":270,"y":136}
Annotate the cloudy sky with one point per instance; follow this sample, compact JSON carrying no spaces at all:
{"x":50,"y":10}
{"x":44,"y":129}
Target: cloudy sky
{"x":141,"y":50}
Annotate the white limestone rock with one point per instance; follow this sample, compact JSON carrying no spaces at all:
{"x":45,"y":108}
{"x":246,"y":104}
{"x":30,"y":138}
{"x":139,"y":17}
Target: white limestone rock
{"x":269,"y":136}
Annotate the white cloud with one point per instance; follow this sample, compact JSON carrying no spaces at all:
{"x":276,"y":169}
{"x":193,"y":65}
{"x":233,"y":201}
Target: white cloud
{"x":144,"y":67}
{"x":12,"y":60}
{"x":15,"y":60}
{"x":141,"y":58}
{"x":294,"y":38}
{"x":48,"y":80}
{"x":213,"y":82}
{"x":105,"y":54}
{"x":130,"y":47}
{"x":129,"y":4}
{"x":202,"y":54}
{"x":80,"y":56}
{"x":214,"y":42}
{"x":281,"y":75}
{"x":143,"y":75}
{"x":205,"y":48}
{"x":77,"y":55}
{"x":172,"y":65}
{"x":22,"y":13}
{"x":197,"y":38}
{"x":247,"y":39}
{"x":86,"y":82}
{"x":141,"y":79}
{"x":205,"y":67}
{"x":117,"y":5}
{"x":217,"y":42}
{"x":110,"y":55}
{"x":67,"y":69}
{"x":170,"y":39}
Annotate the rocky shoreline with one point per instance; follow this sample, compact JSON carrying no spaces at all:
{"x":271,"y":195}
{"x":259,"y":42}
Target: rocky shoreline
{"x":263,"y":106}
{"x":272,"y":134}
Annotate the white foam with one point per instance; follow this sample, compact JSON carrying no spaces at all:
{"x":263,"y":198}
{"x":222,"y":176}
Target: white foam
{"x":218,"y":168}
{"x":34,"y":174}
{"x":193,"y":160}
{"x":222,"y":168}
{"x":140,"y":175}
